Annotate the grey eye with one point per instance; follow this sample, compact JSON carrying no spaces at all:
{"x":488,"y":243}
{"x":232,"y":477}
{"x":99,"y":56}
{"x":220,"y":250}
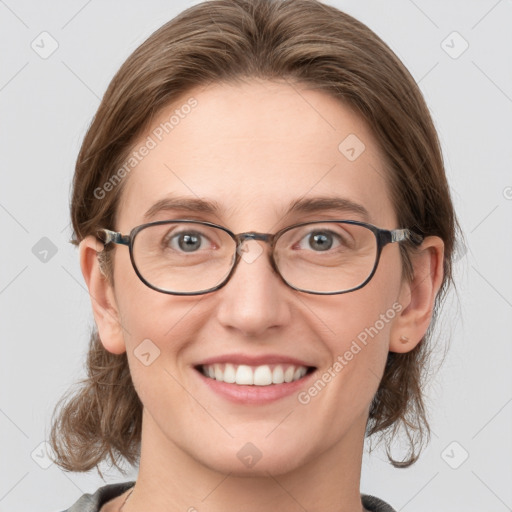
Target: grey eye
{"x":320,"y":240}
{"x":186,"y":241}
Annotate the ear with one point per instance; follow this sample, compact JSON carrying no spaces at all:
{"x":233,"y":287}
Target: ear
{"x":102,"y":296}
{"x":417,"y":296}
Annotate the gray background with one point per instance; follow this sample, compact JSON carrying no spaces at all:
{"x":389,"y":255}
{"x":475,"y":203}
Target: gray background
{"x":46,"y":105}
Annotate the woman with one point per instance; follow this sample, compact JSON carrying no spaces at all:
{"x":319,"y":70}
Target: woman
{"x":274,"y":175}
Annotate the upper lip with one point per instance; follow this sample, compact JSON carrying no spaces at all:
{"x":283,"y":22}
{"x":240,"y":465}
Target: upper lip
{"x":238,"y":359}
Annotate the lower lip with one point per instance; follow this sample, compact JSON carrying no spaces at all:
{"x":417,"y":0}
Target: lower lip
{"x":245,"y":394}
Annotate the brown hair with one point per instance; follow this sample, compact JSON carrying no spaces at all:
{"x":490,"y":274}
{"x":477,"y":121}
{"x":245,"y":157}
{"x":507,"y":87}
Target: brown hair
{"x":301,"y":41}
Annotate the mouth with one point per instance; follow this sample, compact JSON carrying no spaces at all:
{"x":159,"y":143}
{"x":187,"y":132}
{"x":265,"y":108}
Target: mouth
{"x":261,"y":375}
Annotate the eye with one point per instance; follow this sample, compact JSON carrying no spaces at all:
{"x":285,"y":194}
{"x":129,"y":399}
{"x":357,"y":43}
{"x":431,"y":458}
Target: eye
{"x":321,"y":240}
{"x":186,"y":241}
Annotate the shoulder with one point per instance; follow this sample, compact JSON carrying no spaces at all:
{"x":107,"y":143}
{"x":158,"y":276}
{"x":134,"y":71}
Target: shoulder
{"x":374,"y":504}
{"x":93,"y":502}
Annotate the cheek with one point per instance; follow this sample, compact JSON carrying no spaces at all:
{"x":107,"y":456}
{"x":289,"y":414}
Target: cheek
{"x":360,"y":324}
{"x":346,"y":385}
{"x":156,"y":328}
{"x":164,"y":320}
{"x":362,"y":318}
{"x":157,"y":331}
{"x":144,"y":312}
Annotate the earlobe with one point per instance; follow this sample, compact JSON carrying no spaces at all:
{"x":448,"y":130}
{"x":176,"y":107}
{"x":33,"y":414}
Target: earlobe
{"x":417,"y":297}
{"x":102,"y":296}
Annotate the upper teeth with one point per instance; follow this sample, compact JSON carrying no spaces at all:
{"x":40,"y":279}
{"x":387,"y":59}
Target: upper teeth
{"x":254,"y":375}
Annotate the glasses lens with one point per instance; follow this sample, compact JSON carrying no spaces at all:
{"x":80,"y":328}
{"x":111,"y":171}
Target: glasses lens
{"x":326,"y":257}
{"x":183,"y":257}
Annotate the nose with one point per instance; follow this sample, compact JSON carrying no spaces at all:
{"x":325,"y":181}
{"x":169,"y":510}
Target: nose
{"x":255,"y":299}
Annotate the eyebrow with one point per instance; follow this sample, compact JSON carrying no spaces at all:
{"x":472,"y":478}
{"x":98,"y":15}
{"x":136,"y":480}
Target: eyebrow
{"x":302,"y":205}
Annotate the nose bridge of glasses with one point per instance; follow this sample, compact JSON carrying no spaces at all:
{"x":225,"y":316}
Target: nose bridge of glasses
{"x":250,"y":252}
{"x":252,"y":235}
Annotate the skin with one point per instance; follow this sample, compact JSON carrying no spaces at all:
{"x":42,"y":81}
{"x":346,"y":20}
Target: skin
{"x":253,"y":148}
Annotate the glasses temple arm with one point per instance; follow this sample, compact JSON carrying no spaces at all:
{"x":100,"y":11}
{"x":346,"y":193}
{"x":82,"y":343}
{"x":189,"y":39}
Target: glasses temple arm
{"x":399,"y":235}
{"x":107,"y":236}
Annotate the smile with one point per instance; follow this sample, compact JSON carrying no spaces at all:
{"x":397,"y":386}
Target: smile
{"x":245,"y":375}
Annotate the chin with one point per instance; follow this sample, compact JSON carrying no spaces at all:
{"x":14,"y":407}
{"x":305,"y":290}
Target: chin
{"x":254,"y":459}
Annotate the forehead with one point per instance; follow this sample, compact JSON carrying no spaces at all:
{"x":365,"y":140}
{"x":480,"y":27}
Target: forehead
{"x":253,"y":150}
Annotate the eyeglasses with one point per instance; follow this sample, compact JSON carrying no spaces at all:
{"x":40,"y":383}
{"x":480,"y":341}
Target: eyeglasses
{"x":190,"y":257}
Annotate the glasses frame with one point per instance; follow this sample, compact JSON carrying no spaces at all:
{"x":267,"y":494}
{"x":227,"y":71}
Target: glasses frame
{"x":383,"y":237}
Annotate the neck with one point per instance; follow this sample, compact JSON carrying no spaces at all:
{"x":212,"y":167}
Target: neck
{"x":171,"y":480}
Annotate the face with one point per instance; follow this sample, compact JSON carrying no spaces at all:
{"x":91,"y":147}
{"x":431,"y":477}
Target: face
{"x":254,"y":149}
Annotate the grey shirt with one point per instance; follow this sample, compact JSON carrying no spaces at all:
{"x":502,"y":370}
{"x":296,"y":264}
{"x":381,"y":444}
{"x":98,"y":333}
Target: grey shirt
{"x":93,"y":502}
